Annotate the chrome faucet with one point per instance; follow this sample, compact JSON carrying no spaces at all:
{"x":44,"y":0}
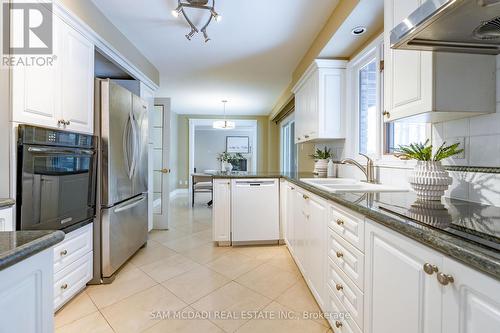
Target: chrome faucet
{"x":369,"y":170}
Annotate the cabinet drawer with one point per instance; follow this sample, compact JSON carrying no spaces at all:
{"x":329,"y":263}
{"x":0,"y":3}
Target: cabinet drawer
{"x":348,"y":225}
{"x":72,"y":279}
{"x":340,"y":324}
{"x":349,"y":259}
{"x":346,"y":292}
{"x":76,"y":244}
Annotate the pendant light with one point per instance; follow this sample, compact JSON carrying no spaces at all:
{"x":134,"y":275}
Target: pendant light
{"x":224,"y":124}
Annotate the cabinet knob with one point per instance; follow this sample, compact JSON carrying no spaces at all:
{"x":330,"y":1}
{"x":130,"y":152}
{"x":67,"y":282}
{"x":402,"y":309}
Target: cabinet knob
{"x":338,"y":324}
{"x":64,"y":286}
{"x":67,"y":123}
{"x":306,"y":136}
{"x":339,"y":287}
{"x":63,"y":253}
{"x":305,"y":197}
{"x":340,"y":222}
{"x":60,"y":122}
{"x":386,"y":114}
{"x":339,"y":254}
{"x":430,"y":269}
{"x":445,"y":279}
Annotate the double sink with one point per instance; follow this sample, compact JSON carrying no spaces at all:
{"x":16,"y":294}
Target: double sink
{"x":344,"y":185}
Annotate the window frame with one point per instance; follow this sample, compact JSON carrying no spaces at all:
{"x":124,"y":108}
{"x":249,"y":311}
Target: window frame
{"x":374,"y":50}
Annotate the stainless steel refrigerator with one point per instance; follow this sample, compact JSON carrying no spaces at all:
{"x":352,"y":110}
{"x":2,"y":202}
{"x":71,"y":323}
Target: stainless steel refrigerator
{"x":121,"y":226}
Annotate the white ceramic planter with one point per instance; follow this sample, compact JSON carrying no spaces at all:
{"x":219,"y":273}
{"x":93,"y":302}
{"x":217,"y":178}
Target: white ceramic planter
{"x":430,"y":180}
{"x":321,"y":168}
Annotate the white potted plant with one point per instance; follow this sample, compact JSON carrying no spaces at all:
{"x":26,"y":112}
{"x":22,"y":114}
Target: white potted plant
{"x":321,"y":158}
{"x":429,"y":179}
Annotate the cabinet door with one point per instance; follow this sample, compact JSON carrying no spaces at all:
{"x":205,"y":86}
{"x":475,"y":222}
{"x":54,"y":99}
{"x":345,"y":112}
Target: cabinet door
{"x":77,"y":58}
{"x":315,"y":262}
{"x":299,"y":115}
{"x":222,"y":210}
{"x":35,"y":90}
{"x":399,"y":295}
{"x":300,"y":230}
{"x":6,"y":219}
{"x":312,"y":119}
{"x":472,"y":302}
{"x":408,"y":73}
{"x":289,"y":231}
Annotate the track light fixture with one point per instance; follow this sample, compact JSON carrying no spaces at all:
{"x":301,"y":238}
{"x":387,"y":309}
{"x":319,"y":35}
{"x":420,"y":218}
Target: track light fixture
{"x":198,"y":4}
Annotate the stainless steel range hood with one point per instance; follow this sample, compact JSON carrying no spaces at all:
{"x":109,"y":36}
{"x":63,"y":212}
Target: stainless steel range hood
{"x":464,"y":26}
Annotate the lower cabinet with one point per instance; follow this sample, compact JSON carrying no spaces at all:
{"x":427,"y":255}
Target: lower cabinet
{"x":472,"y":302}
{"x":26,"y":295}
{"x":221,"y":212}
{"x":6,"y":219}
{"x":412,"y":288}
{"x":73,"y":265}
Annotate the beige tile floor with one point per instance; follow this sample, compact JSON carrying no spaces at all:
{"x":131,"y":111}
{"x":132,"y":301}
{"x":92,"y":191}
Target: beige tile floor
{"x":181,"y":271}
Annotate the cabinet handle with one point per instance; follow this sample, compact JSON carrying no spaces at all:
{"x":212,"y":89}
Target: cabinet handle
{"x":445,"y":279}
{"x":338,"y":324}
{"x":386,"y":114}
{"x":61,"y":122}
{"x":305,"y":197}
{"x":339,"y":254}
{"x":63,"y":253}
{"x":430,"y":269}
{"x":306,"y":136}
{"x":339,"y":287}
{"x":64,"y":286}
{"x":340,"y":222}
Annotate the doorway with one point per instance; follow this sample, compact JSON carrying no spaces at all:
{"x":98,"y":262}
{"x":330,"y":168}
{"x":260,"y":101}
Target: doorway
{"x":161,"y":173}
{"x":288,"y":146}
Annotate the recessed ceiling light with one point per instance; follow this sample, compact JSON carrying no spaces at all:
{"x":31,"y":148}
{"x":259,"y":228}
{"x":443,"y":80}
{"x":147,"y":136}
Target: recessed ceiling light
{"x":357,"y":31}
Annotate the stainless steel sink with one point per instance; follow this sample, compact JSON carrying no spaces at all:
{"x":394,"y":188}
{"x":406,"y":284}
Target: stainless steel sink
{"x":337,"y":185}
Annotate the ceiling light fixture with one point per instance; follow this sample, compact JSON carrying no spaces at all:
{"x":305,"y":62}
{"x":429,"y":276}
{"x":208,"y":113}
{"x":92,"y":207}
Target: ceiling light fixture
{"x":357,"y":31}
{"x":224,"y":124}
{"x":197,"y":4}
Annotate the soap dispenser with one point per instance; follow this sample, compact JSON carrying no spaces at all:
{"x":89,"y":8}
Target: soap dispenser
{"x":330,"y":171}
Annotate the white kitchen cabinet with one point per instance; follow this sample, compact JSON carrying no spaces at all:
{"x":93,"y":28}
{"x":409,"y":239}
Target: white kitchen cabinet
{"x":26,"y":295}
{"x":399,"y":295}
{"x":58,"y":96}
{"x":7,"y":219}
{"x":433,"y":86}
{"x":472,"y":302}
{"x":221,"y":211}
{"x":320,"y":97}
{"x":300,"y":229}
{"x":289,"y":215}
{"x":73,"y":264}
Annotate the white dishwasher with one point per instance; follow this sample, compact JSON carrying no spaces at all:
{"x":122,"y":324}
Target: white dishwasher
{"x":255,"y":211}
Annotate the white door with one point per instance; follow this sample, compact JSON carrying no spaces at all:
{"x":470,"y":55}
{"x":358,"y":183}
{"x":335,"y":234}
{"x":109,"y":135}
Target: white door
{"x":316,"y":227}
{"x":289,"y":231}
{"x":161,"y":177}
{"x":221,"y":212}
{"x":471,"y":303}
{"x":399,"y":295}
{"x":36,"y":89}
{"x":77,"y":81}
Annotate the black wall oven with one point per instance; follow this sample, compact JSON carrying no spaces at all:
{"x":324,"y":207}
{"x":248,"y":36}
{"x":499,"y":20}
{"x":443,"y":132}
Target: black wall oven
{"x":56,"y":178}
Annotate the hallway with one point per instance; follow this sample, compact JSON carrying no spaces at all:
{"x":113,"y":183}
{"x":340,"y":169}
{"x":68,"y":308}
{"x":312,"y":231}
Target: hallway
{"x":180,"y":272}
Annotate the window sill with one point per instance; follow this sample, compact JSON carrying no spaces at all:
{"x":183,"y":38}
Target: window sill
{"x":393,"y":162}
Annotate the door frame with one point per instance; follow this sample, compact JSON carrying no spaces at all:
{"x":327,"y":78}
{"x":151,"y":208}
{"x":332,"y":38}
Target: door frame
{"x":194,"y":122}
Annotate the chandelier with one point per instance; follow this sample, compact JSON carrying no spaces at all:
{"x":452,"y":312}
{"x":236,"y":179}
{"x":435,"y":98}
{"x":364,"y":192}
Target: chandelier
{"x":198,"y":4}
{"x":224,"y":124}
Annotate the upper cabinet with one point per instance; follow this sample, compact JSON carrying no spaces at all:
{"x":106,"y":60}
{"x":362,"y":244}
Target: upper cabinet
{"x":60,"y":95}
{"x":433,"y":86}
{"x":320,"y":99}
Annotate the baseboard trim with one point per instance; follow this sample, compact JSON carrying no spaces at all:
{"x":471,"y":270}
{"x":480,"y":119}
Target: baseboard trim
{"x":178,"y":191}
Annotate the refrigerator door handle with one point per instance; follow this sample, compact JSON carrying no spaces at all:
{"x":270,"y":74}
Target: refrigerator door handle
{"x":128,"y":205}
{"x":135,"y":153}
{"x":129,"y":127}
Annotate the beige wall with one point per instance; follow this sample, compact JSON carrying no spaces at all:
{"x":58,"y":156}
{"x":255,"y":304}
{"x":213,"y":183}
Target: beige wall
{"x":267,"y":157}
{"x":92,"y":16}
{"x":338,"y":16}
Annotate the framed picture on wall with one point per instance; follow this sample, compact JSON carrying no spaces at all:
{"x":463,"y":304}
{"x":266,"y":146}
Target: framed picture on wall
{"x":238,"y":144}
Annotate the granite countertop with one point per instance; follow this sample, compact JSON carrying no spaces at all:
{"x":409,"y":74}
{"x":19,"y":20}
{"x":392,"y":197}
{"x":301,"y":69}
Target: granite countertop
{"x":466,"y":231}
{"x":7,"y":202}
{"x":16,"y":246}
